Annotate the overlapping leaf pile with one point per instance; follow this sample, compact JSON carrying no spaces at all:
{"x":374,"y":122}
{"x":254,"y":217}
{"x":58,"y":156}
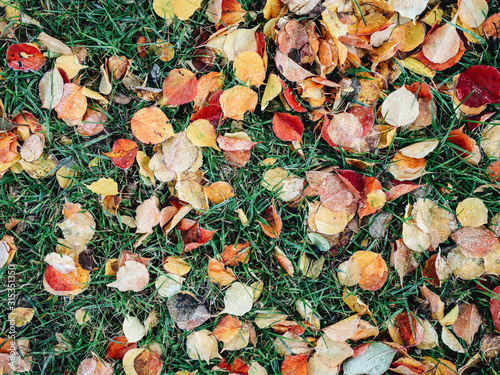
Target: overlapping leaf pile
{"x":330,"y":70}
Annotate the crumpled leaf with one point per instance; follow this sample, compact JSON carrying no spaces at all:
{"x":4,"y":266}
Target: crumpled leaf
{"x":273,"y":227}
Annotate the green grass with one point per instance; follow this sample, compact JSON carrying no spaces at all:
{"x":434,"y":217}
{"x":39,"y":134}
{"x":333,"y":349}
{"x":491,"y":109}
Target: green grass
{"x":108,"y":28}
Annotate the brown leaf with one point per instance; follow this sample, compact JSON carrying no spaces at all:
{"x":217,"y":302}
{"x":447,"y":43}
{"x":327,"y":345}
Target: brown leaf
{"x":235,"y":254}
{"x":273,"y":227}
{"x":468,"y":322}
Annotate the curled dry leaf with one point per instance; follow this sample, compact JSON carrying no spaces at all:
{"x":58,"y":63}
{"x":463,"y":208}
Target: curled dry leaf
{"x":218,"y":273}
{"x":283,"y":260}
{"x":404,"y":260}
{"x":436,"y":305}
{"x":151,"y":125}
{"x":273,"y":227}
{"x":193,"y":235}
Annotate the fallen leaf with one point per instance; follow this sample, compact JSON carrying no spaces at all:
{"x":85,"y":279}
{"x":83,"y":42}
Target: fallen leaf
{"x":238,"y":299}
{"x":273,"y":227}
{"x":151,"y":125}
{"x":123,"y":153}
{"x":238,"y":100}
{"x":104,"y":186}
{"x":287,"y":127}
{"x":468,"y":322}
{"x":73,"y":103}
{"x":133,"y":329}
{"x":472,"y":212}
{"x":294,"y":365}
{"x":200,"y":345}
{"x":179,"y":87}
{"x":132,"y":276}
{"x":202,"y":134}
{"x":400,"y":108}
{"x":375,"y":360}
{"x":25,"y":57}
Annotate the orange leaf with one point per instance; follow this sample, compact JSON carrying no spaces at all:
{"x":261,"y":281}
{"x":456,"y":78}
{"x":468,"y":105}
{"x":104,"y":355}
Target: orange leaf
{"x":227,"y":329}
{"x":287,"y":127}
{"x":118,"y":346}
{"x":294,"y":365}
{"x":151,"y":125}
{"x":235,"y":254}
{"x":273,"y":227}
{"x":179,"y":87}
{"x":218,"y":273}
{"x":123,"y":153}
{"x":73,"y":104}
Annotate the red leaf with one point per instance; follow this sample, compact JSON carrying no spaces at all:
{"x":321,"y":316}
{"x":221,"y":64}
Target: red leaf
{"x":365,"y":115}
{"x":354,"y":181}
{"x":480,"y":84}
{"x":260,"y":39}
{"x":290,"y":99}
{"x":410,"y":329}
{"x":474,"y":242}
{"x":179,"y":87}
{"x":24,"y":57}
{"x":422,"y":90}
{"x":123,"y":153}
{"x":193,"y":235}
{"x":211,"y":113}
{"x":495,"y":307}
{"x":237,"y":367}
{"x":117,"y":350}
{"x":294,"y":365}
{"x":494,"y":170}
{"x":287,"y":127}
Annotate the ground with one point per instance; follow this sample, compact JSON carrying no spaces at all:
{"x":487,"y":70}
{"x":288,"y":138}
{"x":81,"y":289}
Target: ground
{"x":108,"y":28}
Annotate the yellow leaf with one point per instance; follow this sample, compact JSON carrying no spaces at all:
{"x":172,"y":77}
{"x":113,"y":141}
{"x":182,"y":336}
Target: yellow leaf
{"x":249,"y":68}
{"x":70,"y":64}
{"x":164,"y":9}
{"x":273,"y":89}
{"x":202,"y":134}
{"x":143,"y":161}
{"x":184,"y":9}
{"x":417,"y":67}
{"x":104,"y":186}
{"x":65,"y":176}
